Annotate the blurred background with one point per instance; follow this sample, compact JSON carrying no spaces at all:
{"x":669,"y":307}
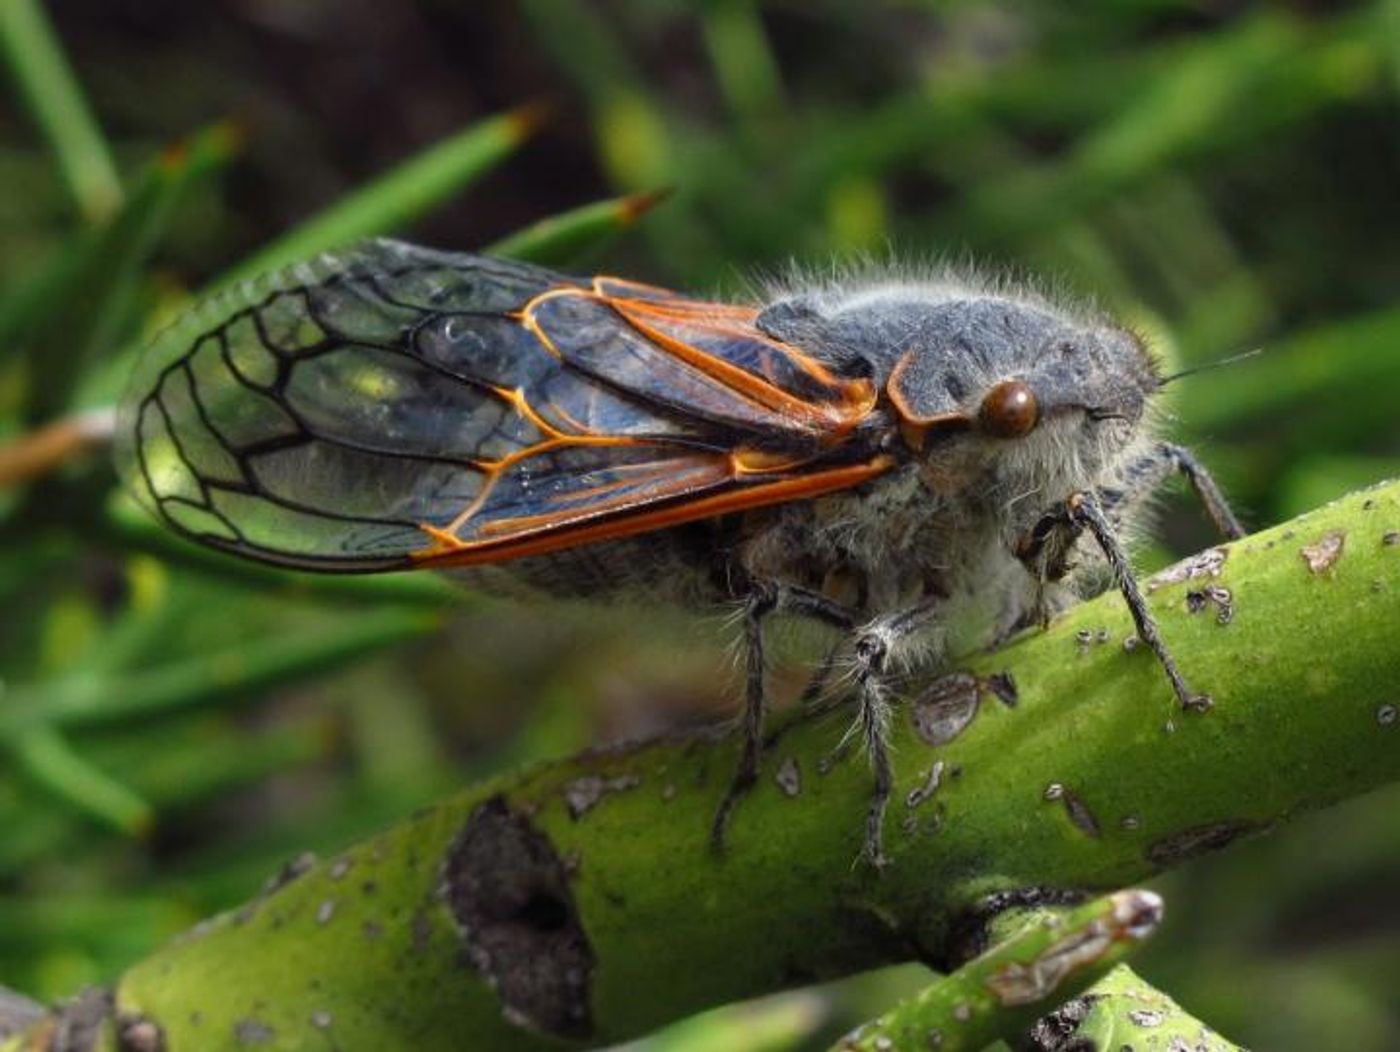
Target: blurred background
{"x":174,"y":726}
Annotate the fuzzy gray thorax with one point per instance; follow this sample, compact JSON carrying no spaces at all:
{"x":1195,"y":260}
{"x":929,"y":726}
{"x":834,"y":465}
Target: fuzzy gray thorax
{"x":945,"y":524}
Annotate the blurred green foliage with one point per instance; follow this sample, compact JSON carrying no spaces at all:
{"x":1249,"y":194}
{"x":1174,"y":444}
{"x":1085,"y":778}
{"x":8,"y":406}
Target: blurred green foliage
{"x":172,"y":725}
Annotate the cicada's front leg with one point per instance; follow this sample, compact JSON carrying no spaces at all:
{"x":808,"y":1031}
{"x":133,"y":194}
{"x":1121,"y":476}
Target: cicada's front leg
{"x":1145,"y":475}
{"x":1047,"y":546}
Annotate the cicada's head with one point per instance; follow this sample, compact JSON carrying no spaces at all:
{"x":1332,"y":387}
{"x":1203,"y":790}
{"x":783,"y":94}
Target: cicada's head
{"x":1000,"y":393}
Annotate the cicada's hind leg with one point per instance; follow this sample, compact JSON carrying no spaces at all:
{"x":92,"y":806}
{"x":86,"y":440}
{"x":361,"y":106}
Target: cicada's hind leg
{"x":764,"y":599}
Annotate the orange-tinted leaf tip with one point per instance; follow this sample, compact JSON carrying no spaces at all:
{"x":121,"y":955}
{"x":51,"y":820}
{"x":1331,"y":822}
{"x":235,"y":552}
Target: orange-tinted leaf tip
{"x":223,"y":138}
{"x":174,"y":156}
{"x":525,"y":120}
{"x":634,"y":206}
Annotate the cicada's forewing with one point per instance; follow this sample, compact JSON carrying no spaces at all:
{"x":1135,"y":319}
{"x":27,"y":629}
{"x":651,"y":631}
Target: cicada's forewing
{"x":395,"y":406}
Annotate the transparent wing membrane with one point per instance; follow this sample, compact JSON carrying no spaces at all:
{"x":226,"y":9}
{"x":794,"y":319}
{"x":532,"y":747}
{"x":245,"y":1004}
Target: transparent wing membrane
{"x":393,"y":405}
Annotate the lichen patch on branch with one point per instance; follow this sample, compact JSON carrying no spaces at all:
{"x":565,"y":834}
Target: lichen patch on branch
{"x":1212,"y":595}
{"x":1208,"y":563}
{"x":1323,"y":553}
{"x":583,"y":794}
{"x":137,"y":1033}
{"x":789,"y":777}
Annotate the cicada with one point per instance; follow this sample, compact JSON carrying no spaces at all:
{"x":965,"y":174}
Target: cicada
{"x":912,"y":460}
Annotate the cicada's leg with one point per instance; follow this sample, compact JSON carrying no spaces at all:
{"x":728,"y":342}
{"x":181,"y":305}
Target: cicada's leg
{"x":764,"y":598}
{"x":1045,"y":551}
{"x":1047,"y":547}
{"x":1085,"y":510}
{"x":1143,"y":476}
{"x":874,"y":645}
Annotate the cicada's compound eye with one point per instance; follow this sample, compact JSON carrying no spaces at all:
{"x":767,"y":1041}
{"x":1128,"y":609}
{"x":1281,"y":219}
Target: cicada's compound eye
{"x":1009,"y":410}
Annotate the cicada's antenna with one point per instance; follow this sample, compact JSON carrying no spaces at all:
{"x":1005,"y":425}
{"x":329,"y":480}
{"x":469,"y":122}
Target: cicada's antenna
{"x":1207,"y":366}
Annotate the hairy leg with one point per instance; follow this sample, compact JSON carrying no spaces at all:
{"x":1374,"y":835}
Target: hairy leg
{"x":1163,"y":461}
{"x":873,"y":648}
{"x":1047,"y":548}
{"x":1085,"y":510}
{"x":764,"y":599}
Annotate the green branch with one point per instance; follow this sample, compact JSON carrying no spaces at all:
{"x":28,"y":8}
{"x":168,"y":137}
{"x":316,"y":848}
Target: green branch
{"x":580,"y":899}
{"x":1001,"y":992}
{"x":1122,"y":1011}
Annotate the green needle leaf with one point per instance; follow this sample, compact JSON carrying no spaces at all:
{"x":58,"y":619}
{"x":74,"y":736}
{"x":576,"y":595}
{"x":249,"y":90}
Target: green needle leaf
{"x":56,"y":102}
{"x":400,"y":195}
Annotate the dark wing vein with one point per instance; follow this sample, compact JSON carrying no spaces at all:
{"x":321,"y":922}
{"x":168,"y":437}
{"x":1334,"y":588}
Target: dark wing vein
{"x":377,"y":407}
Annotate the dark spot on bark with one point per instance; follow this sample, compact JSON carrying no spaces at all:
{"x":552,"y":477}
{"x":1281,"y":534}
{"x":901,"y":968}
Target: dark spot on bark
{"x":508,"y":890}
{"x":1324,"y":552}
{"x":1212,"y":594}
{"x":583,"y":794}
{"x":969,"y":934}
{"x":1199,"y":840}
{"x":289,"y":872}
{"x":925,"y":789}
{"x":79,"y":1022}
{"x":137,"y":1033}
{"x":421,"y":930}
{"x":250,"y":1031}
{"x":1003,"y":686}
{"x":1079,"y":813}
{"x":945,"y":708}
{"x":1058,"y":1031}
{"x":1147,"y":1018}
{"x":18,"y":1013}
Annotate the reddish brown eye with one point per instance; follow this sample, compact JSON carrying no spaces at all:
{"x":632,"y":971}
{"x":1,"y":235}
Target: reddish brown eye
{"x":1009,"y":410}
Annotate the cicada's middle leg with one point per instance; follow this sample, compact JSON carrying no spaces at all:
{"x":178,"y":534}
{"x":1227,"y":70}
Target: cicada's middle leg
{"x":874,"y":646}
{"x":765,"y":598}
